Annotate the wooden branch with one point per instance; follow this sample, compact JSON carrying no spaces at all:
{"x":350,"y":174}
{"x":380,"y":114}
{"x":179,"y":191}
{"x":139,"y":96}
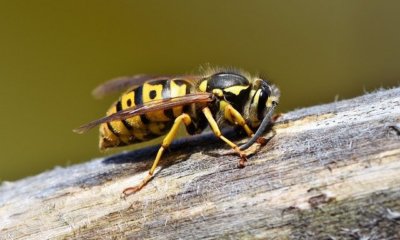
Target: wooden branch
{"x":329,"y":172}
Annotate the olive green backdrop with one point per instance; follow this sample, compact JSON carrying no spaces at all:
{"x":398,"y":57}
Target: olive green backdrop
{"x":52,"y":53}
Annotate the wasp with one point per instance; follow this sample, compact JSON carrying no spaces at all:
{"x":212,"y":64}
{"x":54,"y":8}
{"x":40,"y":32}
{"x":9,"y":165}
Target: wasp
{"x":154,"y":106}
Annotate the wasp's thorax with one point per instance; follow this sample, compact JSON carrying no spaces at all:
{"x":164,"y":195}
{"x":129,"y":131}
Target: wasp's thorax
{"x":252,"y":97}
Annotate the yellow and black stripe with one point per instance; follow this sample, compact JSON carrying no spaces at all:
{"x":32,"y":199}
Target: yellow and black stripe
{"x":146,"y":126}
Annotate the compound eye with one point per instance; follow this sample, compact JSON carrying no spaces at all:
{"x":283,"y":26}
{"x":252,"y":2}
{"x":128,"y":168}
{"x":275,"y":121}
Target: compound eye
{"x":262,"y":100}
{"x":262,"y":104}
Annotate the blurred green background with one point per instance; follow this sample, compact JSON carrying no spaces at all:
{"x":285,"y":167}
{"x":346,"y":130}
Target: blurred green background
{"x":53,"y":53}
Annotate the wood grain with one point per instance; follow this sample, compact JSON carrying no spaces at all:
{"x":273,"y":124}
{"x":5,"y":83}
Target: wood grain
{"x":328,"y":172}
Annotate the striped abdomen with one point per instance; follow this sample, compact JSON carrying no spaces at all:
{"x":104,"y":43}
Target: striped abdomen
{"x":150,"y":125}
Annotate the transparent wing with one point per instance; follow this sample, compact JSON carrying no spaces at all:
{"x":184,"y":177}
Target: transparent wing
{"x":152,"y":106}
{"x":120,"y":84}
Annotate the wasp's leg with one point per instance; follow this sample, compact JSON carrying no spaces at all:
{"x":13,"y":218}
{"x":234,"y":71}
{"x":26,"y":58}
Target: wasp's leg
{"x":217,"y":132}
{"x":185,"y":118}
{"x":238,"y":118}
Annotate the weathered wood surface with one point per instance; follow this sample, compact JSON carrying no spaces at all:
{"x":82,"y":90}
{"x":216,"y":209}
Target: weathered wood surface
{"x":330,"y":172}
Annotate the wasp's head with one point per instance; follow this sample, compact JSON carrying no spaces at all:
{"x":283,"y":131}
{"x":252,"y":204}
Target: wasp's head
{"x":252,"y":97}
{"x":261,"y":98}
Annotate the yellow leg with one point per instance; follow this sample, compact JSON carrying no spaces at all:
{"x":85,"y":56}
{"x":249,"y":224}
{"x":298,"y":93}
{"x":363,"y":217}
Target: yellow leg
{"x":237,"y":117}
{"x":217,"y":132}
{"x":166,"y":142}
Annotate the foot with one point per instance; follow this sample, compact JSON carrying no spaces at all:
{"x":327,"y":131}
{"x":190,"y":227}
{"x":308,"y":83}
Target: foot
{"x":131,"y":190}
{"x":243,"y":160}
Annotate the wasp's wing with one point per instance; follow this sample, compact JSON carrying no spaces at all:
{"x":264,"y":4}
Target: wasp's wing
{"x":119,"y":84}
{"x":152,"y":106}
